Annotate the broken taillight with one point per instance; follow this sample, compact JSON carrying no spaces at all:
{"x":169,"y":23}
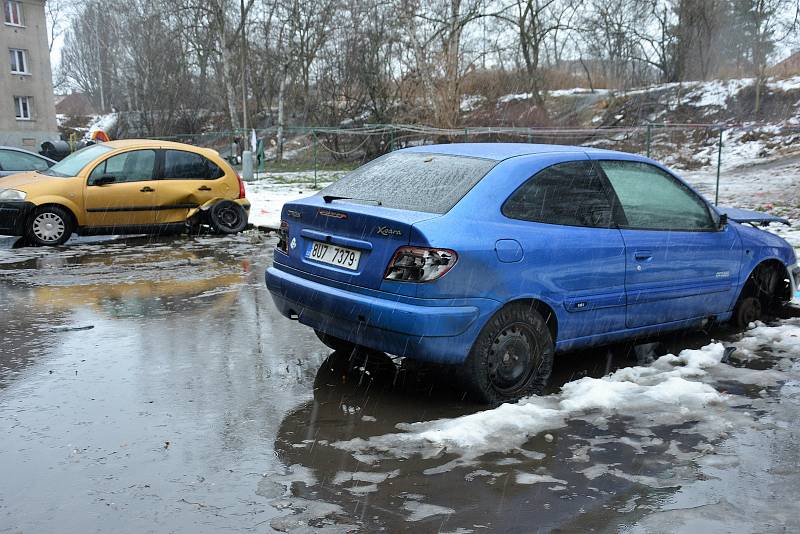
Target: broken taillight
{"x":420,"y":264}
{"x":283,"y":238}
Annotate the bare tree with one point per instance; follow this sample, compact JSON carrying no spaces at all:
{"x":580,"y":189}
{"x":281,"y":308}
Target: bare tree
{"x":763,"y":24}
{"x":611,"y":40}
{"x":536,"y":22}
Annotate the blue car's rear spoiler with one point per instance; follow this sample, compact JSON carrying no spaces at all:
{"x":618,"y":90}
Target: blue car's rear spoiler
{"x":752,"y":217}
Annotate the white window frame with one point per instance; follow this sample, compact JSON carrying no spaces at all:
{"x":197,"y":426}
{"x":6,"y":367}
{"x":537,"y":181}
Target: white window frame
{"x":23,"y":104}
{"x":13,"y":7}
{"x":16,"y":54}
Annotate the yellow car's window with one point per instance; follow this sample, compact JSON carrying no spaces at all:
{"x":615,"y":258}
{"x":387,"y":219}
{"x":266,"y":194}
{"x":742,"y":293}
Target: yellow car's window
{"x":182,"y":165}
{"x":134,"y":166}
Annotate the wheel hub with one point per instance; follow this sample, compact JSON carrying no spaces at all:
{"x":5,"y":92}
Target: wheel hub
{"x":229,"y":218}
{"x":48,"y":227}
{"x":511,"y":358}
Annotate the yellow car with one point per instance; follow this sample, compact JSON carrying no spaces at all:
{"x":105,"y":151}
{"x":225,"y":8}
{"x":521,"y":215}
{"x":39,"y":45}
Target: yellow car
{"x":124,"y":187}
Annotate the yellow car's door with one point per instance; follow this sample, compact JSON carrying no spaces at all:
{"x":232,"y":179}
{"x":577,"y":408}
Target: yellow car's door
{"x":188,"y":180}
{"x":121,"y":192}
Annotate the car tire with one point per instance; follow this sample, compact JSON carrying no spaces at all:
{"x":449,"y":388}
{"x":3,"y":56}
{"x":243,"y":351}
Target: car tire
{"x":747,"y":310}
{"x":512,"y":357}
{"x":227,"y":217}
{"x":335,"y":343}
{"x":49,"y":226}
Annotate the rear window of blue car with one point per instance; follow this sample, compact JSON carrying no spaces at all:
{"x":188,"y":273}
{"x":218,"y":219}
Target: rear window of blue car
{"x":431,"y":183}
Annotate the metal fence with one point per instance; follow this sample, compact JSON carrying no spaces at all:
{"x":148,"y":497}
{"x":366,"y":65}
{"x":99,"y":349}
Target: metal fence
{"x":710,"y":147}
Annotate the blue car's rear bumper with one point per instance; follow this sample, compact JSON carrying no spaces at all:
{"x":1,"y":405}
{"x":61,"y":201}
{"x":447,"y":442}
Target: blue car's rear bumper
{"x":440,"y":330}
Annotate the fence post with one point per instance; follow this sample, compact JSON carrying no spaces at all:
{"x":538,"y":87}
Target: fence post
{"x":314,"y":136}
{"x":391,"y":138}
{"x":649,"y":137}
{"x":719,"y":164}
{"x":466,"y":135}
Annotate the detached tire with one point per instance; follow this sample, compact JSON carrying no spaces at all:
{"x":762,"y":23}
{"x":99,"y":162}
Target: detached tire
{"x":49,"y":226}
{"x":511,"y":358}
{"x":227,"y":217}
{"x":335,"y":343}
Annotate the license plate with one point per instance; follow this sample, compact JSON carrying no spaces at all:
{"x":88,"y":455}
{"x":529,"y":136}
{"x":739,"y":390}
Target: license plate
{"x":334,"y":255}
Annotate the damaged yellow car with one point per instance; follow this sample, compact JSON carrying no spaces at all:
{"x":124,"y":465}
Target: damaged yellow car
{"x":125,"y":187}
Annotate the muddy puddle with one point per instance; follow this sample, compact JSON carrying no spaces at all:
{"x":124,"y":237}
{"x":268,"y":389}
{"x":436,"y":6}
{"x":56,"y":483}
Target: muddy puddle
{"x":149,"y":385}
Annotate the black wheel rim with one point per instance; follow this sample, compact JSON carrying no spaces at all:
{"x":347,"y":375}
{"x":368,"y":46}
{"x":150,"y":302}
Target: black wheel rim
{"x":513,"y":357}
{"x":228,"y":217}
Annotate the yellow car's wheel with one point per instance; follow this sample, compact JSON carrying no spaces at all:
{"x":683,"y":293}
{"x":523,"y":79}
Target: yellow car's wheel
{"x":49,"y":226}
{"x":227,"y":217}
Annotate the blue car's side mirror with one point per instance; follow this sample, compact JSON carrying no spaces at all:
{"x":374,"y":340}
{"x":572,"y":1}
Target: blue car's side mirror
{"x":723,"y":221}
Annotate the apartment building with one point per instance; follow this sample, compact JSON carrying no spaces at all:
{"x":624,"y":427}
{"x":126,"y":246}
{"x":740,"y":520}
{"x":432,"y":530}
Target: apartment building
{"x":27,"y":111}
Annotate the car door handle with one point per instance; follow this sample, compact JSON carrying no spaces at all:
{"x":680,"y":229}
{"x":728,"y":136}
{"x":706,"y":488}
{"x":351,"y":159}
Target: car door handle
{"x":147,"y":189}
{"x":204,"y":188}
{"x":642,"y":255}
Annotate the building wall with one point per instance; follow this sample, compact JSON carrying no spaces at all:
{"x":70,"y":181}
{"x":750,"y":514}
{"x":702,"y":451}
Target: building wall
{"x":38,"y":84}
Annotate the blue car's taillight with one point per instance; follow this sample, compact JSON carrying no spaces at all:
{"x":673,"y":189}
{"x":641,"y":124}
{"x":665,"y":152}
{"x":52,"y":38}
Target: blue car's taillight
{"x":283,"y":238}
{"x":420,"y":264}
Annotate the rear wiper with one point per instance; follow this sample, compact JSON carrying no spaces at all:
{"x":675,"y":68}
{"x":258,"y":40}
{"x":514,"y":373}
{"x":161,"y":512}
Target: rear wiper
{"x":330,"y":198}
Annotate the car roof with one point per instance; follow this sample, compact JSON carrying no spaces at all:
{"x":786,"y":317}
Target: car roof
{"x":158,"y":143}
{"x":31,"y":152}
{"x":148,"y":143}
{"x":501,"y":151}
{"x":17,"y":149}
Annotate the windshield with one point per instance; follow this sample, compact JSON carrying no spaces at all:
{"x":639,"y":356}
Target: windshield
{"x":75,"y":162}
{"x":414,"y":181}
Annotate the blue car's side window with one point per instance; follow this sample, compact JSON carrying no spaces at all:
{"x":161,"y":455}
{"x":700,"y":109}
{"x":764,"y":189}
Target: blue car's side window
{"x":569,"y":194}
{"x":654,"y":200}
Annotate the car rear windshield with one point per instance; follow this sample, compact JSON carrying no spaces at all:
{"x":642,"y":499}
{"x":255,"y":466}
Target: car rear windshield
{"x":75,"y":162}
{"x":415,"y":181}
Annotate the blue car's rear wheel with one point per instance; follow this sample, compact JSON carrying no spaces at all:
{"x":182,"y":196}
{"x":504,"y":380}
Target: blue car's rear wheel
{"x":512,"y":357}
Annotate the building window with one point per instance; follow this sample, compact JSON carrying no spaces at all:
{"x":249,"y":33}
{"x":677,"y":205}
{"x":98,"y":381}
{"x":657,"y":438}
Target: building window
{"x":13,"y":11}
{"x":19,"y":61}
{"x":22,"y":107}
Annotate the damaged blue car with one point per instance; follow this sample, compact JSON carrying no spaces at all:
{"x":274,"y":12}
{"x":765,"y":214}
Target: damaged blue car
{"x":495,"y":257}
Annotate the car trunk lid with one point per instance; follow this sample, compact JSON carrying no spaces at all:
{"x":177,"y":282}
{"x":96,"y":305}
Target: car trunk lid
{"x":345,"y":229}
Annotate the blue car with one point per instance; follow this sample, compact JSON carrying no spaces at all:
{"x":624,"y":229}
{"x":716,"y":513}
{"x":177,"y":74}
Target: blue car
{"x":495,"y":257}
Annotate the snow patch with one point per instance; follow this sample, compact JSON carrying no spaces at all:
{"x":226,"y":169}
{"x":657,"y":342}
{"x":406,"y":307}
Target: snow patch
{"x":421,"y":510}
{"x":505,"y":99}
{"x":671,"y":390}
{"x":532,"y":478}
{"x":471,"y":102}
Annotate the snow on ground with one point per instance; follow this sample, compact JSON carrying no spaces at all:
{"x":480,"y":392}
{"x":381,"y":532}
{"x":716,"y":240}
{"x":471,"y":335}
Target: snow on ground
{"x":691,"y":389}
{"x":513,"y":97}
{"x":271,"y":191}
{"x":714,"y":93}
{"x":710,"y":94}
{"x":576,"y":91}
{"x":771,"y":186}
{"x":671,"y":390}
{"x":470,"y":102}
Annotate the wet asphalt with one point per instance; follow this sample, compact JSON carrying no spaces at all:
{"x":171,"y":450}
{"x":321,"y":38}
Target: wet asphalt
{"x":150,"y":385}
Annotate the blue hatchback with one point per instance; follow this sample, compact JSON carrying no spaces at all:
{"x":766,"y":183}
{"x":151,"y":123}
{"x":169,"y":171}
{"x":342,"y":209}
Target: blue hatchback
{"x":496,"y":256}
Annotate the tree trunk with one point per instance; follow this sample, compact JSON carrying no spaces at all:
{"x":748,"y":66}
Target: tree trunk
{"x":229,"y":75}
{"x":281,"y":119}
{"x":452,"y":81}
